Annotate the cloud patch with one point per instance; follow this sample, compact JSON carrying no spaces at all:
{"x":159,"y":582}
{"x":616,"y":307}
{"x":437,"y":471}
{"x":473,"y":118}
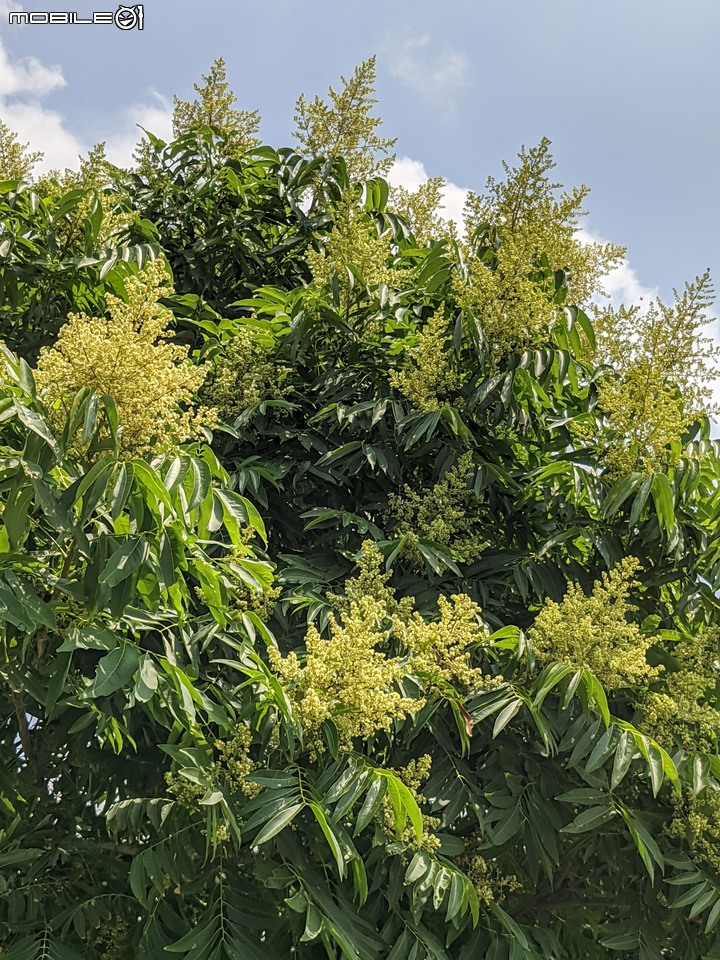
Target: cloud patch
{"x":436,"y":74}
{"x":154,"y":116}
{"x":411,"y":174}
{"x":622,"y":285}
{"x":25,"y":82}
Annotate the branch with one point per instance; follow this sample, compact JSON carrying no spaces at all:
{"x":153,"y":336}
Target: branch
{"x":26,"y":741}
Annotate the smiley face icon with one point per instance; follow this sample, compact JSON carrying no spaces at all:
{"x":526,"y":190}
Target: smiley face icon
{"x":127,"y":18}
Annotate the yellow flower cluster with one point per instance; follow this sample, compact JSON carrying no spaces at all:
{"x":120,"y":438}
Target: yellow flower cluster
{"x":344,"y":127}
{"x":683,"y":713}
{"x":371,"y":581}
{"x":186,"y":793}
{"x":441,"y":651}
{"x":94,"y":175}
{"x":214,"y":108}
{"x":235,"y":763}
{"x":664,"y":365}
{"x":441,"y":513}
{"x":261,"y":603}
{"x":489,"y":885}
{"x":112,"y":938}
{"x":421,"y":209}
{"x":426,"y":377}
{"x":513,"y":309}
{"x":414,"y":775}
{"x":593,"y":632}
{"x":353,"y":242}
{"x":697,"y":821}
{"x":345,"y":678}
{"x":16,"y":162}
{"x":245,"y":376}
{"x":129,"y":357}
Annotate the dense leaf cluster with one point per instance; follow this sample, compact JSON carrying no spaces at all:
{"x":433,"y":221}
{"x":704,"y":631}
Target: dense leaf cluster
{"x":166,"y":785}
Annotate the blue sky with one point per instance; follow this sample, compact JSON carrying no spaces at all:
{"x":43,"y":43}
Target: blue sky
{"x":627,"y":90}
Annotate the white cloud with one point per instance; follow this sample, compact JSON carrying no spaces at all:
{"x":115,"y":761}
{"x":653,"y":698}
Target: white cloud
{"x":156,"y":117}
{"x":437,"y":75}
{"x":25,"y":82}
{"x":411,"y":174}
{"x":27,"y":76}
{"x":44,"y":130}
{"x":408,"y":173}
{"x":622,"y":285}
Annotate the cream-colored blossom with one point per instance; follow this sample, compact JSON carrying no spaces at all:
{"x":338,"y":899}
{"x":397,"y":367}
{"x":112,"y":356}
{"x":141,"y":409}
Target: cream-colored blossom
{"x":16,"y":161}
{"x":682,"y":711}
{"x":349,"y":678}
{"x":95,"y":176}
{"x":490,"y":885}
{"x":421,"y":209}
{"x":345,"y":678}
{"x":664,"y":366}
{"x":353,"y":243}
{"x":527,"y":220}
{"x":343,"y":126}
{"x":441,"y":513}
{"x":697,"y":822}
{"x":214,"y":107}
{"x":413,"y":775}
{"x":442,"y":650}
{"x":593,"y":631}
{"x":244,"y":376}
{"x":129,"y":357}
{"x":235,"y":763}
{"x":426,"y":377}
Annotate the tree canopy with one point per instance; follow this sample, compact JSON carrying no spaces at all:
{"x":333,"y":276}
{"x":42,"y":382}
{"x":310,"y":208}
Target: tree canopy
{"x":358,"y":573}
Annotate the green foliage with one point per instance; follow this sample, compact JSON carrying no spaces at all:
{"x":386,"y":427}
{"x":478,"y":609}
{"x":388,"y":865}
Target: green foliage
{"x":226,"y":226}
{"x":393,"y":663}
{"x":214,"y":108}
{"x":16,"y":161}
{"x":343,"y":126}
{"x":55,"y":258}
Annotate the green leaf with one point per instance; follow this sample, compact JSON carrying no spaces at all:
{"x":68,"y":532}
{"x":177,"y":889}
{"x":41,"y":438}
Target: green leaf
{"x":121,"y":489}
{"x":371,"y":805}
{"x":664,"y":504}
{"x":114,"y":671}
{"x":278,"y":823}
{"x":313,"y":924}
{"x":89,"y":637}
{"x":596,"y":693}
{"x":125,"y":560}
{"x":38,"y":426}
{"x":624,"y":753}
{"x":590,"y":819}
{"x":329,"y":836}
{"x":147,"y":680}
{"x":505,"y":716}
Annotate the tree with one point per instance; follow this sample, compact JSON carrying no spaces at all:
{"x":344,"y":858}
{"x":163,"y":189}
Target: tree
{"x":16,"y":162}
{"x":343,"y":126}
{"x":212,"y":110}
{"x":60,"y":251}
{"x":389,"y":659}
{"x":95,"y":176}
